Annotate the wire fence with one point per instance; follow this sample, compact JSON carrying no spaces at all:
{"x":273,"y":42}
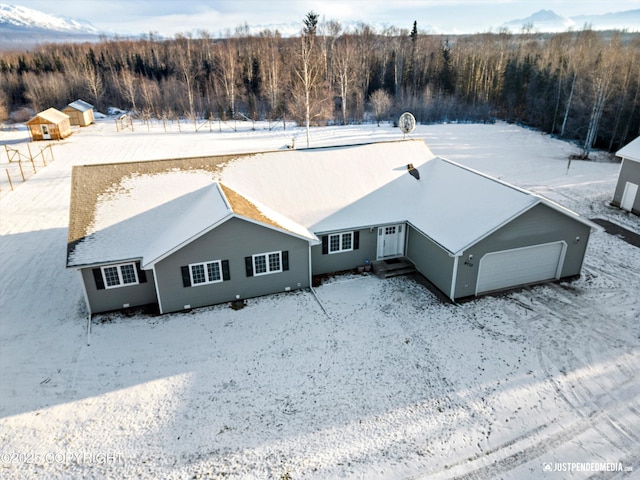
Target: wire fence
{"x":237,"y":122}
{"x":21,"y":162}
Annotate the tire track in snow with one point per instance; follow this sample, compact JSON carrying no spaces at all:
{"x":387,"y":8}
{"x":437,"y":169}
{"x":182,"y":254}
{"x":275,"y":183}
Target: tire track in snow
{"x":591,"y":398}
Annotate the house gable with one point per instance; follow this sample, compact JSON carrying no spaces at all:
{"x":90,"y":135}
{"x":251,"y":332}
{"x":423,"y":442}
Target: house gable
{"x":539,"y":225}
{"x":233,"y":241}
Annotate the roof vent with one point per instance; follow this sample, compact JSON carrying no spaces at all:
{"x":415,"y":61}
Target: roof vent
{"x":413,"y":171}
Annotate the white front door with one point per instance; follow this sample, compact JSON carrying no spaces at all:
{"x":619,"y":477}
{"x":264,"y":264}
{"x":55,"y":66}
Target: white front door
{"x":45,"y":132}
{"x":629,"y":196}
{"x":391,"y":241}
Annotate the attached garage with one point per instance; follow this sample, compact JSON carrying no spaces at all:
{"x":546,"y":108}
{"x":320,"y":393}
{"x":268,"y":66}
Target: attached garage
{"x":520,"y":266}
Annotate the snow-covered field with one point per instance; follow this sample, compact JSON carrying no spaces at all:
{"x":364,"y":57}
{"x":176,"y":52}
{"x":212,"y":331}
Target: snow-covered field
{"x":374,"y":379}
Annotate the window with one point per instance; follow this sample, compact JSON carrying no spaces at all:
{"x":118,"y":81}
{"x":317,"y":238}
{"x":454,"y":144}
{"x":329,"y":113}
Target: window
{"x":341,"y":242}
{"x":265,"y":263}
{"x":119,"y":275}
{"x":207,"y":272}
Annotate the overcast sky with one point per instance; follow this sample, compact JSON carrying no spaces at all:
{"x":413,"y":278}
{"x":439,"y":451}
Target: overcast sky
{"x":167,"y":17}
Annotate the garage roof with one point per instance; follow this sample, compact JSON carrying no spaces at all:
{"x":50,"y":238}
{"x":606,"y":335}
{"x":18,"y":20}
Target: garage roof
{"x":343,"y":188}
{"x":631,"y":151}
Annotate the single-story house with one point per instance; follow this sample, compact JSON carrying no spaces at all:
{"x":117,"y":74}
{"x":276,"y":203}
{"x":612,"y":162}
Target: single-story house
{"x":627,"y":193}
{"x":50,"y":124}
{"x":80,"y":113}
{"x":195,"y":232}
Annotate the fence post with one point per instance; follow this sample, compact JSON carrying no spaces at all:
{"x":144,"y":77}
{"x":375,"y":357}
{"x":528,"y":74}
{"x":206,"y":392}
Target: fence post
{"x":31,"y":158}
{"x":9,"y":177}
{"x":51,"y":151}
{"x":21,"y":171}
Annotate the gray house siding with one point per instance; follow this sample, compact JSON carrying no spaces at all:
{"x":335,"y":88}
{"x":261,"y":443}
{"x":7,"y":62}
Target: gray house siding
{"x":234,"y":240}
{"x":629,"y":172}
{"x":539,"y":225}
{"x":430,"y":259}
{"x":340,"y":261}
{"x":108,"y":299}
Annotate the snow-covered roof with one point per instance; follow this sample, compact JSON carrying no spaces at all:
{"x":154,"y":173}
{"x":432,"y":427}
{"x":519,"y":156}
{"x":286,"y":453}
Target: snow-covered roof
{"x":304,"y":193}
{"x":80,"y":105}
{"x":340,"y":188}
{"x":149,"y":216}
{"x":51,"y":115}
{"x":631,"y":151}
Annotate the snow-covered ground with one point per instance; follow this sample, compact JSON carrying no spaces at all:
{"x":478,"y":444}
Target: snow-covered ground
{"x":373,"y":379}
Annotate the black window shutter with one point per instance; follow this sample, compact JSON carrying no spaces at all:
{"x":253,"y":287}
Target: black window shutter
{"x":248,"y":263}
{"x":186,"y":278}
{"x":142,"y":275}
{"x":325,"y":244}
{"x":285,"y":260}
{"x":356,"y":240}
{"x":97,"y":275}
{"x":225,"y":270}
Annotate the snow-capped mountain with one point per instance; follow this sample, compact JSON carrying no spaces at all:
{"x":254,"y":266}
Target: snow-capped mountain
{"x":22,"y":27}
{"x":16,"y":17}
{"x":549,"y":21}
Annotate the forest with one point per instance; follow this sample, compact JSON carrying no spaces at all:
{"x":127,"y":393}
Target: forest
{"x":581,"y":85}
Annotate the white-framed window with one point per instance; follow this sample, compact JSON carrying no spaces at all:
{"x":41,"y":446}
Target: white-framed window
{"x":120,"y":275}
{"x":341,"y":242}
{"x":265,"y":263}
{"x":206,"y":272}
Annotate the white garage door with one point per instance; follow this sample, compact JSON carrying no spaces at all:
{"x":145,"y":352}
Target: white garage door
{"x":520,"y":266}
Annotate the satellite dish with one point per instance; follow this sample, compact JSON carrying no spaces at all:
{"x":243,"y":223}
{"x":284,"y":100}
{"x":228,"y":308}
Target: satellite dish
{"x":407,"y":123}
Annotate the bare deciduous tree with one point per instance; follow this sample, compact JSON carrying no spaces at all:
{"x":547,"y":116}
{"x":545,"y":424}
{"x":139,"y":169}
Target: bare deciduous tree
{"x":344,"y":68}
{"x":380,"y":103}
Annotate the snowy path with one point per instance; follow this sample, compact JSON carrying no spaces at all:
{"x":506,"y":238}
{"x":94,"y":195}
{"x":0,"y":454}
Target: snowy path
{"x":392,"y":384}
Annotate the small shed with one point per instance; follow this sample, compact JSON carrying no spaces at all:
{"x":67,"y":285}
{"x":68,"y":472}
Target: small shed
{"x":627,"y":193}
{"x":80,"y":113}
{"x":50,"y":124}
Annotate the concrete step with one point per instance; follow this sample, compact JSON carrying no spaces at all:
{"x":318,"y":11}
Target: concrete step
{"x":395,"y":267}
{"x":397,"y":272}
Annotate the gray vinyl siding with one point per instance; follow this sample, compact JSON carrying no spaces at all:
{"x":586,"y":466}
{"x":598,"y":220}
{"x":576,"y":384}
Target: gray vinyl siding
{"x":109,"y":299}
{"x":430,"y":259}
{"x":233,"y":241}
{"x":629,"y":172}
{"x":341,"y":261}
{"x":539,"y":225}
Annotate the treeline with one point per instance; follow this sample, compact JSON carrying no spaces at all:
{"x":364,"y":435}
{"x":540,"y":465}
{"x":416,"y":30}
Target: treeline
{"x":582,"y":85}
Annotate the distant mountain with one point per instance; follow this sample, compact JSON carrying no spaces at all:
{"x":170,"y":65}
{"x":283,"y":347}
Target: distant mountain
{"x":549,"y":21}
{"x":21,"y":26}
{"x":628,"y":20}
{"x":544,"y":21}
